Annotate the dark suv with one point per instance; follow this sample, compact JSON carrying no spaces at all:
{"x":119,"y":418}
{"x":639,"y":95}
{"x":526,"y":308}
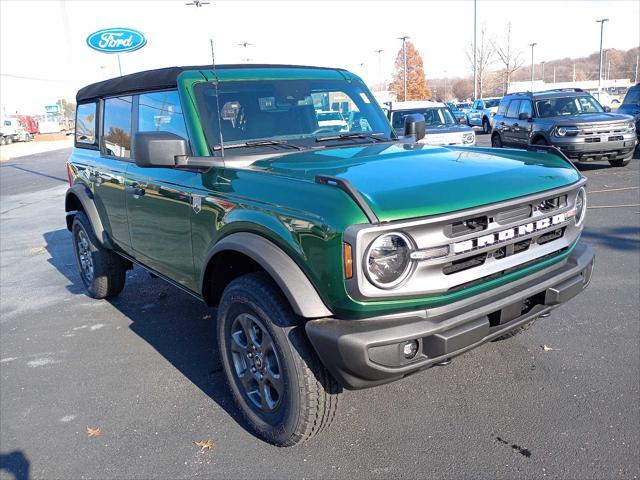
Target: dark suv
{"x":571,"y":120}
{"x":631,"y":106}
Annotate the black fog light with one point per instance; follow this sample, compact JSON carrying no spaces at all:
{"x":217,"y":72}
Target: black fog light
{"x":410,"y":349}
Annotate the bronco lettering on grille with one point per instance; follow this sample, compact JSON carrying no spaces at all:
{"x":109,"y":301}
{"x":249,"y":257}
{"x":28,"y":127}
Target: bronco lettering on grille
{"x":508,"y":234}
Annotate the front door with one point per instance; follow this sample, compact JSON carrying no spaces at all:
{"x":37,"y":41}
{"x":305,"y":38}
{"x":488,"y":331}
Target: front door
{"x":522,"y":135}
{"x":159,"y":201}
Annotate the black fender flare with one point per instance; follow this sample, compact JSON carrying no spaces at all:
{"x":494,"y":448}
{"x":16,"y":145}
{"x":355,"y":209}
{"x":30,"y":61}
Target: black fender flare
{"x":294,"y":283}
{"x":85,"y":197}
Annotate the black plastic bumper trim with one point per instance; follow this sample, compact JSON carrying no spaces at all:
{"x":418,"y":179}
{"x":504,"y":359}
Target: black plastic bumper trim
{"x":345,"y":346}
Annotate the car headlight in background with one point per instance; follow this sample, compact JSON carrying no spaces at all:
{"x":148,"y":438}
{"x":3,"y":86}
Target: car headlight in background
{"x":469,"y":138}
{"x":562,"y":131}
{"x":631,"y":125}
{"x":388,"y":260}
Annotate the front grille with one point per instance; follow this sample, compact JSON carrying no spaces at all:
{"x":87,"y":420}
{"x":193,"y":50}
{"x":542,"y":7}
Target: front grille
{"x":464,"y":264}
{"x":493,"y":276}
{"x":600,"y":129}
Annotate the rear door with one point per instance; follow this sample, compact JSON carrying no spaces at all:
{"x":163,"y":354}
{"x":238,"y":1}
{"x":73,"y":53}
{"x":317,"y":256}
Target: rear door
{"x":158,"y":200}
{"x":523,"y":133}
{"x":511,"y":122}
{"x":108,"y":173}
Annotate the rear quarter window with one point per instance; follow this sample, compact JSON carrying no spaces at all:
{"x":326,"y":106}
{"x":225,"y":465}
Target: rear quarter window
{"x":116,"y":137}
{"x":86,"y":125}
{"x":502,"y":108}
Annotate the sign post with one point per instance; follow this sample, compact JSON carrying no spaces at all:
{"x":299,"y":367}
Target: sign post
{"x":116,"y":41}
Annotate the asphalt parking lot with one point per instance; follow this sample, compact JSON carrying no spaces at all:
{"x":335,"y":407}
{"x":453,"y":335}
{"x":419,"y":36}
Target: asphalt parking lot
{"x":142,"y":368}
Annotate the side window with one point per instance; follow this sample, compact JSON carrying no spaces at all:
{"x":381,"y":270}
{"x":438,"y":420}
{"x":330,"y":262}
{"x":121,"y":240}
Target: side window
{"x":526,"y":107}
{"x":161,"y":111}
{"x":86,"y":125}
{"x":116,"y":136}
{"x":502,"y":108}
{"x":512,"y":111}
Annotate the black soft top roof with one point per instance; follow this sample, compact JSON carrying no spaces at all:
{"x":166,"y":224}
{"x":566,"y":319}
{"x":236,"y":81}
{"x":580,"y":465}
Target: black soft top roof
{"x":159,"y":79}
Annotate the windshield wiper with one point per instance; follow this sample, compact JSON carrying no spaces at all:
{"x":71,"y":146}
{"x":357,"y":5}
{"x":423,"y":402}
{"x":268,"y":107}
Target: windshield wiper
{"x":350,"y":136}
{"x":260,"y":143}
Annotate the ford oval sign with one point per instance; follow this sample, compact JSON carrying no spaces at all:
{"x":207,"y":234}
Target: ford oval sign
{"x":116,"y":40}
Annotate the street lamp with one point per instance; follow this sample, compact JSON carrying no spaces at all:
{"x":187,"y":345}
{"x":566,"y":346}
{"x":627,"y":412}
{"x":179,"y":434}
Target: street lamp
{"x":542,"y":71}
{"x":197,"y":3}
{"x":404,"y":55}
{"x":532,"y":67}
{"x":601,"y":22}
{"x":379,"y":52}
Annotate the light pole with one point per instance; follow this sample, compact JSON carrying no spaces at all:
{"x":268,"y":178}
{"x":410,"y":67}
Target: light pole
{"x":542,"y":71}
{"x":601,"y":22}
{"x":379,"y":52}
{"x":475,"y":50}
{"x":445,"y":86}
{"x":532,"y":67}
{"x":404,"y":55}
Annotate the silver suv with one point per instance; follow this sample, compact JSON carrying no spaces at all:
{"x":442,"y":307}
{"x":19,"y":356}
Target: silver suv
{"x":482,"y":113}
{"x":571,"y":120}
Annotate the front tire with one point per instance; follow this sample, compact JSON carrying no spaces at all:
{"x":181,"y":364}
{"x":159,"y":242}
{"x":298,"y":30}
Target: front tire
{"x":486,"y":126}
{"x":103,"y":272}
{"x":621,"y":162}
{"x":275,"y":376}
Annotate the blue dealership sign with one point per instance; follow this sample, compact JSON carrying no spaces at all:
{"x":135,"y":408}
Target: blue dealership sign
{"x":116,"y":40}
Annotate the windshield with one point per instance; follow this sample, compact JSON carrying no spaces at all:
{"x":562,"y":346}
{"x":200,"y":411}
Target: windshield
{"x":462,"y":106}
{"x":298,"y":111}
{"x":632,"y":97}
{"x":434,"y":117}
{"x":492,"y":103}
{"x":562,"y":106}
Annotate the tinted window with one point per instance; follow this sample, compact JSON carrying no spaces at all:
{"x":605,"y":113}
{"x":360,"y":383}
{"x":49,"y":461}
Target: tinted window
{"x":502,"y":108}
{"x":526,"y":107}
{"x":116,"y":136}
{"x":86,"y":124}
{"x":561,"y":106}
{"x":492,"y":103}
{"x":435,"y":116}
{"x":161,"y":111}
{"x":512,"y":111}
{"x":632,"y":97}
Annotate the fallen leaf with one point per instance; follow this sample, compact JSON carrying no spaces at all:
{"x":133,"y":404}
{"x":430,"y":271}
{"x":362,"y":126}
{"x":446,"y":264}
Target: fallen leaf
{"x":93,"y":432}
{"x":546,"y":348}
{"x":204,"y":445}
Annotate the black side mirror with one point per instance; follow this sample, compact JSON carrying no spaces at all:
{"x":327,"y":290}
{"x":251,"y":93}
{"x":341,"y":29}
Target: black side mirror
{"x":607,"y":109}
{"x":415,"y":124}
{"x":523,"y":116}
{"x":158,"y":149}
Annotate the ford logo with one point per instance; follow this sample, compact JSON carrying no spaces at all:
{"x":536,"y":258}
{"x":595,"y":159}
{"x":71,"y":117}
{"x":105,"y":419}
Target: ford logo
{"x":116,"y":40}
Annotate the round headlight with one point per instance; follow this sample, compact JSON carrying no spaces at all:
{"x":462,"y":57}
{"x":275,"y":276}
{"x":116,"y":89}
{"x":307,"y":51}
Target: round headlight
{"x":580,"y":206}
{"x":562,"y":131}
{"x":631,"y":126}
{"x":388,"y":260}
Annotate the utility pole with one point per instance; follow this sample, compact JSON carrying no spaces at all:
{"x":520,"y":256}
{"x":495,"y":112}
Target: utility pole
{"x":601,"y":22}
{"x":379,"y":52}
{"x":445,"y":86}
{"x":404,"y":55}
{"x":574,"y":72}
{"x":532,"y":66}
{"x":554,"y":74}
{"x":637,"y":61}
{"x":475,"y":51}
{"x":543,"y":71}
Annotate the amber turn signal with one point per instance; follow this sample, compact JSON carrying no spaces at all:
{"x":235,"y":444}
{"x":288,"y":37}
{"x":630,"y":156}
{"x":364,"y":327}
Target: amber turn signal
{"x":348,"y":260}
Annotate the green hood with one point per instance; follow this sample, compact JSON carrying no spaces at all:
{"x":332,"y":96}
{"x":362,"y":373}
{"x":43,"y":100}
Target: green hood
{"x":407,"y":181}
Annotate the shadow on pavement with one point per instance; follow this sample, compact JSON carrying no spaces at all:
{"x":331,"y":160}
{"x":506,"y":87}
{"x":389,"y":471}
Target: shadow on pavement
{"x":618,"y":238}
{"x":16,"y":464}
{"x":180,"y":327}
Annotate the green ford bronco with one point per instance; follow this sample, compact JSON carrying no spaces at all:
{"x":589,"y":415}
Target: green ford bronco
{"x":338,"y":254}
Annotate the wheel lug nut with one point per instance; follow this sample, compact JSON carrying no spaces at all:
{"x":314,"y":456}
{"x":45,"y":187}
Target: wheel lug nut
{"x":253,"y":369}
{"x":250,"y":355}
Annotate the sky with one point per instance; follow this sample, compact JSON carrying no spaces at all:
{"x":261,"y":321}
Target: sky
{"x":44,"y":55}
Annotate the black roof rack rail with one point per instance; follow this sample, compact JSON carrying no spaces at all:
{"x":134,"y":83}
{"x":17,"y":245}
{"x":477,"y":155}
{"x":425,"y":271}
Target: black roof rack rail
{"x":347,"y":188}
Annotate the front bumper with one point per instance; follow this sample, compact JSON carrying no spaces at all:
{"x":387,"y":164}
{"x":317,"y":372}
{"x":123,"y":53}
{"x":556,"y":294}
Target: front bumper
{"x":365,"y":353}
{"x":602,"y":150}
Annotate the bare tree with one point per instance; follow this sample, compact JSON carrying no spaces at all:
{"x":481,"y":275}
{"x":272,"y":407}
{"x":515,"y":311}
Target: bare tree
{"x":511,"y":59}
{"x":485,"y":57}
